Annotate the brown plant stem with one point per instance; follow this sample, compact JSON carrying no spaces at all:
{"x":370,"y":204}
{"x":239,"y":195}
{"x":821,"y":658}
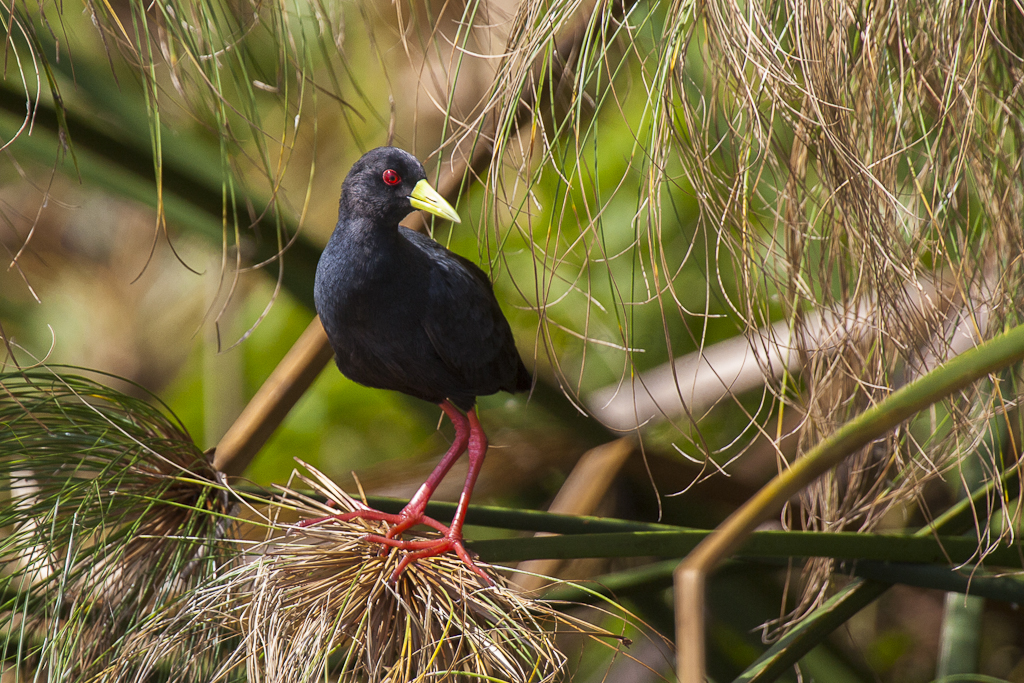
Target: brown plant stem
{"x":583,"y":490}
{"x":267,"y":409}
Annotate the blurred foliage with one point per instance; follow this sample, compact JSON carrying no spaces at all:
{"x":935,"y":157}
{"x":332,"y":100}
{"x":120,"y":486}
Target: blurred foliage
{"x":656,"y":177}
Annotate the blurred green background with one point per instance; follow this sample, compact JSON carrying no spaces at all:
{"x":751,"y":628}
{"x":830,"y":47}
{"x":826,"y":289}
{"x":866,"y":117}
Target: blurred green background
{"x":170,"y":172}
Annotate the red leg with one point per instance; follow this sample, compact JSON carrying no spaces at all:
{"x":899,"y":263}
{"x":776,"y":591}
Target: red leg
{"x":412,"y":513}
{"x":452,"y":539}
{"x":468,"y":433}
{"x":477,"y":450}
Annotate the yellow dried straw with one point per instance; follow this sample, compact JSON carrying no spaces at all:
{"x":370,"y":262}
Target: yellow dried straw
{"x":319,"y":603}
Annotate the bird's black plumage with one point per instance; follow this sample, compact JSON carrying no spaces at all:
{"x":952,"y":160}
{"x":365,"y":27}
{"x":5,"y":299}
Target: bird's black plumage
{"x":400,"y":310}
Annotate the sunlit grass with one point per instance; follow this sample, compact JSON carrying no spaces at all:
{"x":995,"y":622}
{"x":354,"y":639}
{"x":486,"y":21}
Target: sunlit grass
{"x":319,"y":600}
{"x":112,"y":516}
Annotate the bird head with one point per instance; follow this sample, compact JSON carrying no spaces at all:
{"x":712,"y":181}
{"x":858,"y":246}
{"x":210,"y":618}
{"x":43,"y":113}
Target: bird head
{"x":387,"y":184}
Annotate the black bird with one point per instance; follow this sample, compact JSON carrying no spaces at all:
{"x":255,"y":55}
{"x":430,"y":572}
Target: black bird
{"x":404,"y":313}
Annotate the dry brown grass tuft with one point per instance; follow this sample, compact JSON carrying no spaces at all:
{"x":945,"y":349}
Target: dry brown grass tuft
{"x":320,"y":602}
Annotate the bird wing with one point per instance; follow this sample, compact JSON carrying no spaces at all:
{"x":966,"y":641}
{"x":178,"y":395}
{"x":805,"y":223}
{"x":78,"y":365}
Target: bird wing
{"x":464,"y":323}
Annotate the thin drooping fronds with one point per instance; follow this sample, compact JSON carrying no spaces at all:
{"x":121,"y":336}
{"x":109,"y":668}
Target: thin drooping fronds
{"x":193,"y":68}
{"x":692,"y":171}
{"x":666,"y":176}
{"x":865,"y":161}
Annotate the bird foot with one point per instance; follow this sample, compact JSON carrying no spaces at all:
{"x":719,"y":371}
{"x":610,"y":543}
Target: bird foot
{"x":415,"y":550}
{"x":399,"y":522}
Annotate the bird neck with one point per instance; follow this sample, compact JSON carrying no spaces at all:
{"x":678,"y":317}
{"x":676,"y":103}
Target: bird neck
{"x":363,"y":246}
{"x":364,"y":231}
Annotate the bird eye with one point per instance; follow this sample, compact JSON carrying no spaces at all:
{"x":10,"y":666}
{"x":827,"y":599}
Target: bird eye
{"x":391,"y":177}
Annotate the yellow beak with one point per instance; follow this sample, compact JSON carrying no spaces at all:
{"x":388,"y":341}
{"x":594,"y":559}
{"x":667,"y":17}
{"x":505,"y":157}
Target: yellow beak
{"x":425,"y":197}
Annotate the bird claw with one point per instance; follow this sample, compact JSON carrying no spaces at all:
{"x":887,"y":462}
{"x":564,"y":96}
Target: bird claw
{"x":415,"y":550}
{"x":418,"y":550}
{"x":398,"y":523}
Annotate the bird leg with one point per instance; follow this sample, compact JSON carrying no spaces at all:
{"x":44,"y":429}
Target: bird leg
{"x":468,"y":433}
{"x":412,"y":513}
{"x":452,"y":538}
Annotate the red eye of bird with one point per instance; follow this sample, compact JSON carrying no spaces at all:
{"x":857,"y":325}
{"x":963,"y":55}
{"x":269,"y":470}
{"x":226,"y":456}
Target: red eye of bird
{"x":391,"y":177}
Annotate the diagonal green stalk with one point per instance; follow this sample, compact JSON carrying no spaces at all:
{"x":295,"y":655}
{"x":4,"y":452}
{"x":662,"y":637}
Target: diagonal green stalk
{"x":523,"y":520}
{"x":957,"y":373}
{"x":876,"y":578}
{"x":658,"y":575}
